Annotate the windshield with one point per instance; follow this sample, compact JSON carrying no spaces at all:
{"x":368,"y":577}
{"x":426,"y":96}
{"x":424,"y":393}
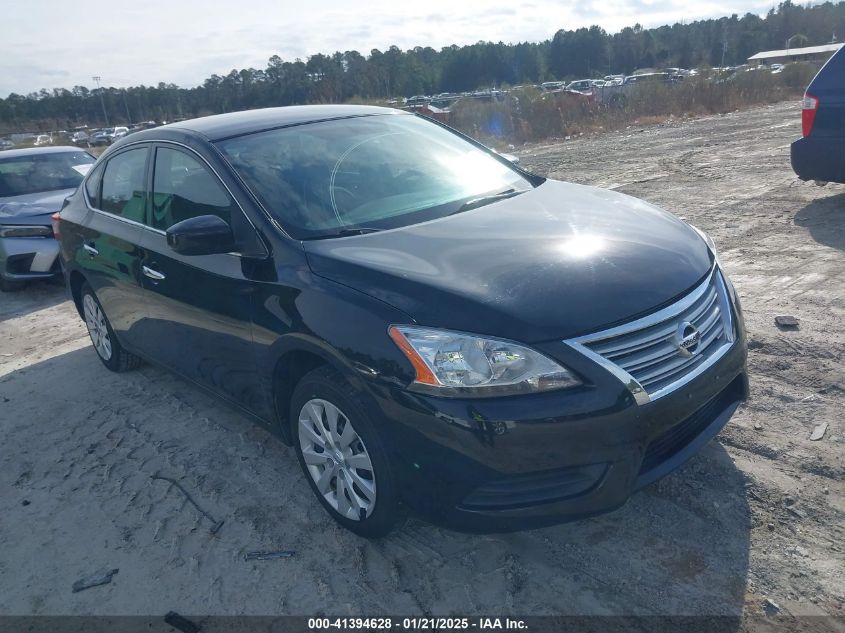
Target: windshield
{"x":369,"y":173}
{"x":34,"y":173}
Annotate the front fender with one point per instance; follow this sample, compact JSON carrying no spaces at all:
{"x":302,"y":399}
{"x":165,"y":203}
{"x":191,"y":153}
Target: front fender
{"x":325,"y":320}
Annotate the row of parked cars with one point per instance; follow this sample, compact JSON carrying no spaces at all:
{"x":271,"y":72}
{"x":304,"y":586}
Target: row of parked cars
{"x":593,"y":88}
{"x":610,"y":88}
{"x":86,"y":138}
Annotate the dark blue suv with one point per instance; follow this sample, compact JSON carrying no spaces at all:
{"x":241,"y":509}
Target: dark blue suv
{"x":820,"y":154}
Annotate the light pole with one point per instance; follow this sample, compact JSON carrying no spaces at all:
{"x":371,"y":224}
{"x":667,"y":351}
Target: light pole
{"x":97,"y":78}
{"x":803,"y":37}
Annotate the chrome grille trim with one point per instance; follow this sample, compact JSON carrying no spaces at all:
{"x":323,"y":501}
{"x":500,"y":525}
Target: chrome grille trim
{"x":642,"y":353}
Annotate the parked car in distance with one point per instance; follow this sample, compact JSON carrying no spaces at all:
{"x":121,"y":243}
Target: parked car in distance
{"x":552,"y":86}
{"x":6,"y":144}
{"x":582,"y":85}
{"x":428,"y":325}
{"x":34,"y":183}
{"x":645,"y":77}
{"x":43,"y":139}
{"x":820,"y":153}
{"x":80,"y":139}
{"x":107,"y":136}
{"x":101,"y":137}
{"x":417,"y":100}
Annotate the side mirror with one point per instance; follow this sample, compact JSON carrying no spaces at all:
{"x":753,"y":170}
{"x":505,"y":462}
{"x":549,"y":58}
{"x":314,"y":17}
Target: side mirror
{"x":202,"y":235}
{"x":511,"y":158}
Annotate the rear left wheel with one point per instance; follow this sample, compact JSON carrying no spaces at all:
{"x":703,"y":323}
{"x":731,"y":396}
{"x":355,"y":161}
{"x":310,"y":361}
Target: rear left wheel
{"x":108,"y":348}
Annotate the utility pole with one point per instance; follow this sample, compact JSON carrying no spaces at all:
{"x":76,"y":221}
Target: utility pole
{"x":126,"y":105}
{"x":97,"y":78}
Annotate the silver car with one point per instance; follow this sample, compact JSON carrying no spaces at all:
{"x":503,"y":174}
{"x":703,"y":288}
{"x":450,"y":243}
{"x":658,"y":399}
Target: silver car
{"x":33,"y":185}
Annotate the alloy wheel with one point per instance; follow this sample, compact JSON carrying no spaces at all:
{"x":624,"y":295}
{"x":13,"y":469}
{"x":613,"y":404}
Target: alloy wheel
{"x":97,"y":327}
{"x":337,"y":460}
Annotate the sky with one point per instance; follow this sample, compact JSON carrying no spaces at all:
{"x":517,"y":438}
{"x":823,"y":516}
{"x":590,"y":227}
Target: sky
{"x":60,"y":44}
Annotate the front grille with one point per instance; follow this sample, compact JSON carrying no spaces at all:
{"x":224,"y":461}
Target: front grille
{"x":648,"y":350}
{"x":675,"y":439}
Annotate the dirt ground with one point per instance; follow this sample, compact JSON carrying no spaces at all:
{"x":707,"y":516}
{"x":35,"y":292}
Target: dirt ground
{"x":757,"y":515}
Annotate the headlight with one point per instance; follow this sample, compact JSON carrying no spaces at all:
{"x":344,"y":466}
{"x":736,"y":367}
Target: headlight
{"x":25,"y":231}
{"x":453,"y":364}
{"x":710,"y":244}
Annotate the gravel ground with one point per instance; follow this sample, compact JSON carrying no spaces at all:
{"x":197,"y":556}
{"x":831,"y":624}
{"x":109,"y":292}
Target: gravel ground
{"x":757,"y":515}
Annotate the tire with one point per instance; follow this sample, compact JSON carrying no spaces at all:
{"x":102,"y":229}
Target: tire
{"x":372,"y":496}
{"x":108,"y":348}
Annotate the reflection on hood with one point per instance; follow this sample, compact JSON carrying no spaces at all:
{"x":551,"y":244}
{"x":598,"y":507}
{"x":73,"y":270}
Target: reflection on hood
{"x":33,"y":204}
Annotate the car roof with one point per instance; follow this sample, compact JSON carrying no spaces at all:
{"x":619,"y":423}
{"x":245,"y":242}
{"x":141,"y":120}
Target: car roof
{"x":30,"y":151}
{"x":220,"y":126}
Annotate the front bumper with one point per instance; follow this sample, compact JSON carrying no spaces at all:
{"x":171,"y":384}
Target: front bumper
{"x":26,"y":258}
{"x":819,"y":158}
{"x":510,"y":463}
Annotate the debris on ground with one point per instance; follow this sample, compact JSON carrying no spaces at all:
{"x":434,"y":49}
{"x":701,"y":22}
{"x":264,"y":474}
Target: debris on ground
{"x":818,"y":432}
{"x":216,"y":525}
{"x":795,"y":511}
{"x":95,"y":580}
{"x":181,"y":623}
{"x":268,"y":555}
{"x":786,"y":322}
{"x":771,"y":607}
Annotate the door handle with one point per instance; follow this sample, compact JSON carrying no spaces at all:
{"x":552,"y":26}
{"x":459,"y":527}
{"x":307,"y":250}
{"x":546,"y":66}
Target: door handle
{"x":89,"y":248}
{"x":152,"y":274}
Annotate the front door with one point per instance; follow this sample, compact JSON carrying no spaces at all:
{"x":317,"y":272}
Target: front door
{"x":198,"y":307}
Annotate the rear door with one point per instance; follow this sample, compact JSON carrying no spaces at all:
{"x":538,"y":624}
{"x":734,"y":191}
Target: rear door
{"x":199,"y":307}
{"x":110,"y":254}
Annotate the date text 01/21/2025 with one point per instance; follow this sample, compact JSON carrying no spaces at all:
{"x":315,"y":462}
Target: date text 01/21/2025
{"x":417,"y":624}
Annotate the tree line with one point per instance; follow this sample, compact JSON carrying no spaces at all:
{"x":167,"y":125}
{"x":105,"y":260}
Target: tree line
{"x":351,"y":75}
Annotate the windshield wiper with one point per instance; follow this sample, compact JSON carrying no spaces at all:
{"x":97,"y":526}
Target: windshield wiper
{"x":358,"y":230}
{"x":482,"y":200}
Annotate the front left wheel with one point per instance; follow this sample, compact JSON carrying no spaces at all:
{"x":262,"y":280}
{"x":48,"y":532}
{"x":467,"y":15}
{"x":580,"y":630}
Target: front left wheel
{"x":108,"y":348}
{"x":342,"y":455}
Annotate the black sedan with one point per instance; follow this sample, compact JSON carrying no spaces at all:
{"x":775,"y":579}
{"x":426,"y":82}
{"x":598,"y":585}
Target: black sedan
{"x":427,"y":324}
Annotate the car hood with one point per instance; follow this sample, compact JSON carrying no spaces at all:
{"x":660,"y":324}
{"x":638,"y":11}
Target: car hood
{"x":32,"y":207}
{"x":555,"y":262}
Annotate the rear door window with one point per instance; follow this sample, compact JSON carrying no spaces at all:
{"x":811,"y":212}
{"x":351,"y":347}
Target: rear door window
{"x":184,"y":188}
{"x":123,"y":191}
{"x":92,"y":187}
